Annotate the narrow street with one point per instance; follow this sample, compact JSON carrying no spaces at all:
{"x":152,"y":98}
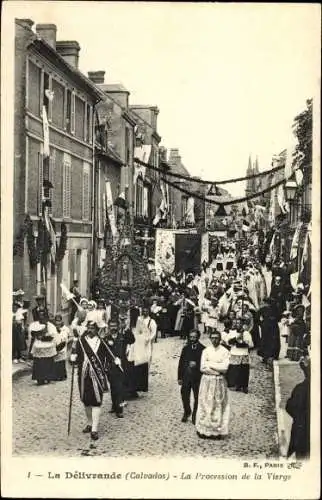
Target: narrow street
{"x":152,"y":425}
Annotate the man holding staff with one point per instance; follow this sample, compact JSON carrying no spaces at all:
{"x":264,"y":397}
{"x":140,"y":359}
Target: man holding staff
{"x":92,"y":357}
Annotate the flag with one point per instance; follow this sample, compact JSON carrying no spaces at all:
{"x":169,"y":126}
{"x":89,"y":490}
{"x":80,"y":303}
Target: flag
{"x":305,"y":255}
{"x":272,"y":207}
{"x":121,"y":202}
{"x":161,"y":213}
{"x":295,"y":242}
{"x":299,"y":176}
{"x":46,"y":132}
{"x":66,"y":293}
{"x":245,"y":226}
{"x":190,"y":213}
{"x":109,"y":208}
{"x":52,"y":235}
{"x":281,"y":198}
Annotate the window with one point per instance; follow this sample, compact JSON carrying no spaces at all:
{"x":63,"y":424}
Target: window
{"x":34,"y":81}
{"x":184,"y":203}
{"x":86,"y":192}
{"x":58,"y":104}
{"x":145,"y":207}
{"x":127,"y":146}
{"x":88,"y":123}
{"x":79,"y":117}
{"x":139,"y":197}
{"x":70,"y":111}
{"x":67,"y":185}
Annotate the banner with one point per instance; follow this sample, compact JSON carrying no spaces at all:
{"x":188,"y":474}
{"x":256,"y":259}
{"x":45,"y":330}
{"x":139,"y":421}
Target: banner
{"x":110,"y":209}
{"x":164,"y":251}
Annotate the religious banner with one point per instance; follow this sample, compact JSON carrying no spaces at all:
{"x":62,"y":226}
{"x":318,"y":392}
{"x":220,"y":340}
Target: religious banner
{"x":164,"y":251}
{"x":188,"y":252}
{"x":205,"y":247}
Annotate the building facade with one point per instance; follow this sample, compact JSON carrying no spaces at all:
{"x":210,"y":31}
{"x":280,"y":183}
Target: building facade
{"x":54,"y":160}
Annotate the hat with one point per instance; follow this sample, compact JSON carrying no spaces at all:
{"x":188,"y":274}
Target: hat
{"x":91,"y":322}
{"x":83,"y":300}
{"x":18,"y":292}
{"x":39,"y":327}
{"x":299,"y":306}
{"x":39,"y":297}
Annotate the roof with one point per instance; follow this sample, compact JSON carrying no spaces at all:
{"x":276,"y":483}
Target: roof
{"x":178,"y":168}
{"x":112,"y":87}
{"x":73,"y":72}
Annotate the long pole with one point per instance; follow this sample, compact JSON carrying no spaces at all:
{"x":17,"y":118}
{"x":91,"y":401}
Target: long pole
{"x":71,"y":400}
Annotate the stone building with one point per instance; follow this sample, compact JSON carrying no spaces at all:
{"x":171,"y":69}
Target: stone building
{"x":114,"y":148}
{"x":53,"y":163}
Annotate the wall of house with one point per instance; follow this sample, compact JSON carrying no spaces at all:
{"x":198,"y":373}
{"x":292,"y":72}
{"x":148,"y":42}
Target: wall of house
{"x":70,"y":167}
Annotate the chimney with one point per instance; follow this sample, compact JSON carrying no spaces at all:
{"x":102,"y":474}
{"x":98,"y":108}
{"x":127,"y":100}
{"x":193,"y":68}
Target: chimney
{"x":174,"y":153}
{"x":27,"y":23}
{"x":48,"y":33}
{"x":69,"y":50}
{"x":97,"y":77}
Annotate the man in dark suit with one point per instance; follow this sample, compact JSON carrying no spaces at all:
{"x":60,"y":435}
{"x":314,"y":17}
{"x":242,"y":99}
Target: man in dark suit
{"x":189,"y":374}
{"x":41,"y":305}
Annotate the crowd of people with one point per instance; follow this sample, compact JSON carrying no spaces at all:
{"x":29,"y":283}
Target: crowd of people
{"x":234,"y":300}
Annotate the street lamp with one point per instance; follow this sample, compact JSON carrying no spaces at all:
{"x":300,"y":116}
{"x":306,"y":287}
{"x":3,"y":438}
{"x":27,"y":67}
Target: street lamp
{"x":290,"y":188}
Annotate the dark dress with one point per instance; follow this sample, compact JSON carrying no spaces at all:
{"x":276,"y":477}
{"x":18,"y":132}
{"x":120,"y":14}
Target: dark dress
{"x":298,"y":407}
{"x":278,"y":299}
{"x":296,"y":348}
{"x":190,"y":376}
{"x":18,"y":340}
{"x":270,"y":344}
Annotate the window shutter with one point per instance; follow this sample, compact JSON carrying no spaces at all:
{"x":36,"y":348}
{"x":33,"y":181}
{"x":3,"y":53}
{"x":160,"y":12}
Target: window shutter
{"x":72,"y":126}
{"x":52,"y":161}
{"x":40,"y":183}
{"x":90,"y":139}
{"x":85,"y":122}
{"x":86,"y":187}
{"x":67,"y":181}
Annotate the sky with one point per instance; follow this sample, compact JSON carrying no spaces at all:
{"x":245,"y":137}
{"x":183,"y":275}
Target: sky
{"x":228,"y":79}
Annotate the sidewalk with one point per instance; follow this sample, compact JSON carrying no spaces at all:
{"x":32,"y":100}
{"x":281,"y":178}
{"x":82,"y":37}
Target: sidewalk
{"x":287,"y":374}
{"x":25,"y":368}
{"x":20,"y":369}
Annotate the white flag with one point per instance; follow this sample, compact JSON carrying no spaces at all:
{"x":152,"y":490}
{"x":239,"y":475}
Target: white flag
{"x":66,"y":293}
{"x":299,"y":176}
{"x":110,"y":208}
{"x":46,"y":131}
{"x":281,"y":198}
{"x":190,"y":214}
{"x":295,"y":242}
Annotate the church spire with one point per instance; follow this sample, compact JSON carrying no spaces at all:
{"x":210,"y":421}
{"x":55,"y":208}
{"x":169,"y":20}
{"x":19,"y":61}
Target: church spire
{"x":249,"y":172}
{"x":249,"y":168}
{"x":256,"y":169}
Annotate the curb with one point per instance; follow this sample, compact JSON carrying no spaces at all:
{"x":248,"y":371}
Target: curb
{"x":24,"y":370}
{"x":27,"y":368}
{"x":281,"y":431}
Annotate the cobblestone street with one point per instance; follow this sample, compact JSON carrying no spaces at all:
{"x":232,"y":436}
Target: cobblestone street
{"x":152,"y":424}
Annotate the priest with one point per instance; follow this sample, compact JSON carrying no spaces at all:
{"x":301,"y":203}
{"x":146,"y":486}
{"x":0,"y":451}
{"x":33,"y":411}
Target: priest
{"x":140,"y":355}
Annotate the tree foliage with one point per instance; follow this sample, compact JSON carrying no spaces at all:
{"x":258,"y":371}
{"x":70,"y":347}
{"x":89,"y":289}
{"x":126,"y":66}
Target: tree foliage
{"x":302,"y":128}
